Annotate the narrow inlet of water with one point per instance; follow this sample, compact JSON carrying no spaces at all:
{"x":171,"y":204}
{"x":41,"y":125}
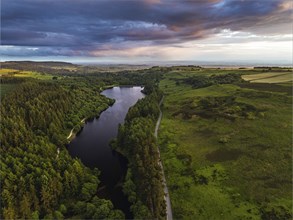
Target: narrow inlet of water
{"x":91,"y":145}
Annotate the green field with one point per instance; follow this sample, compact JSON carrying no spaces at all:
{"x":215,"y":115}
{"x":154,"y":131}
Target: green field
{"x":19,"y":73}
{"x":226,"y":149}
{"x":271,"y":77}
{"x":14,"y":77}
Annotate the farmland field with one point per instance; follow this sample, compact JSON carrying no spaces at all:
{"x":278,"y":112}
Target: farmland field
{"x":4,"y":71}
{"x":19,"y":73}
{"x":224,"y":162}
{"x":271,"y":77}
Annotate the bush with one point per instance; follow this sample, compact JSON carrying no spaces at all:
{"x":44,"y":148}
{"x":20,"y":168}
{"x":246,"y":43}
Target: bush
{"x":224,"y":139}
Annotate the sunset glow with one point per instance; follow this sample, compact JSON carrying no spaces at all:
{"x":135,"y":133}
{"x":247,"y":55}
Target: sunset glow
{"x":147,"y":30}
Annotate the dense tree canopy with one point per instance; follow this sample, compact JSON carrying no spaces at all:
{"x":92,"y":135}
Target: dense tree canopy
{"x":36,"y":180}
{"x":136,"y":140}
{"x":39,"y":179}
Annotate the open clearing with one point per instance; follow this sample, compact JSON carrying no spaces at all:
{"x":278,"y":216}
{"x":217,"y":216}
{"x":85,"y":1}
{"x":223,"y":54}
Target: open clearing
{"x":222,"y":169}
{"x":10,"y":74}
{"x":19,"y":73}
{"x":272,"y":77}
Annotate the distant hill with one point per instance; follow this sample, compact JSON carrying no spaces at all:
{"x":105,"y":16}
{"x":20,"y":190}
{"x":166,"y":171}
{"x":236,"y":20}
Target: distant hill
{"x":42,"y":63}
{"x":45,"y":67}
{"x":54,"y":67}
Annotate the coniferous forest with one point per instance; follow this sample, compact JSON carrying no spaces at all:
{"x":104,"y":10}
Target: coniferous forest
{"x":39,"y":179}
{"x":143,"y":184}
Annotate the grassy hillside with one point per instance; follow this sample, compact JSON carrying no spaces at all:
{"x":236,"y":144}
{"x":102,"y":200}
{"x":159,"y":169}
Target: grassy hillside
{"x":226,"y":149}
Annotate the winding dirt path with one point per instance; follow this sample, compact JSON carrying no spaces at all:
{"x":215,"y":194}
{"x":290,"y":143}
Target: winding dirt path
{"x":71,"y":132}
{"x":167,"y":197}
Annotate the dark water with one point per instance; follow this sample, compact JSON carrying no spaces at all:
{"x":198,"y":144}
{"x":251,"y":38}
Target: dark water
{"x":91,"y":145}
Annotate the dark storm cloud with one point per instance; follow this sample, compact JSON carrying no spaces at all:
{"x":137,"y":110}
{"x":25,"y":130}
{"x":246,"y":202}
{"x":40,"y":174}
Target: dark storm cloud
{"x":71,"y":27}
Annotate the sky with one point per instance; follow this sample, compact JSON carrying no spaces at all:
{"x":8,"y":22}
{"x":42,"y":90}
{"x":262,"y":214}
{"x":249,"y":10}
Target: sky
{"x":146,"y":31}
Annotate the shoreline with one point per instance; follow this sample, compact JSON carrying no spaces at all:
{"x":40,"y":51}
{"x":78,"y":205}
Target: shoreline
{"x":72,"y":134}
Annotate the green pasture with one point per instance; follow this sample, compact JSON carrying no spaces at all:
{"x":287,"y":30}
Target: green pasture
{"x":271,"y":77}
{"x":19,"y":73}
{"x":218,"y":168}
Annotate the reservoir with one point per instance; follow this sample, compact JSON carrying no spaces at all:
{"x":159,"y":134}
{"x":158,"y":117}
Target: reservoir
{"x":91,"y":145}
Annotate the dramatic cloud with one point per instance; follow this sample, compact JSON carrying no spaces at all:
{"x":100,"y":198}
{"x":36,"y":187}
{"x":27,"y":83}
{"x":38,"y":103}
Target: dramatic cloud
{"x":99,"y":27}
